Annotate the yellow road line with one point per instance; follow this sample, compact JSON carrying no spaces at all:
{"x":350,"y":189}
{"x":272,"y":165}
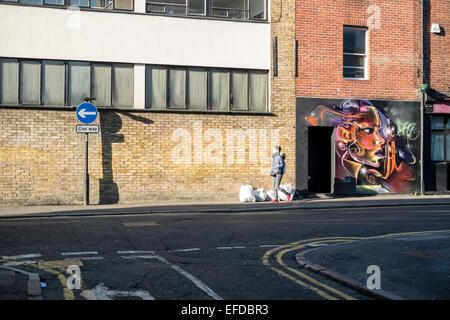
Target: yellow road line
{"x":279,"y":257}
{"x":303,"y":284}
{"x":283,"y":249}
{"x":323,"y":294}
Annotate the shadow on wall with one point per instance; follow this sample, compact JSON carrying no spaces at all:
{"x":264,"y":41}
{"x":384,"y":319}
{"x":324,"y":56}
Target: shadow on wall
{"x":111,"y":124}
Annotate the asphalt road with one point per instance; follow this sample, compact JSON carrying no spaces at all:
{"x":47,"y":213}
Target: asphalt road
{"x":229,"y":256}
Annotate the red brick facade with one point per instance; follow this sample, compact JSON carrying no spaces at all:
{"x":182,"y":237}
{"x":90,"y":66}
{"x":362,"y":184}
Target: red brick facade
{"x":437,"y":47}
{"x":394,"y":48}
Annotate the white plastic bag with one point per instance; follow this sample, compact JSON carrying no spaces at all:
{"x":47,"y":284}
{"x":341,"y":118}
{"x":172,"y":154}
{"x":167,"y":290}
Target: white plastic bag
{"x":260,"y":195}
{"x":289,"y":188}
{"x":270,"y":195}
{"x":246,"y":194}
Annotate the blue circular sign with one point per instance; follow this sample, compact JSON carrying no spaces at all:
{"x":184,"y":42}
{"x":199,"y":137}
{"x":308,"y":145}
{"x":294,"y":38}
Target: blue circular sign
{"x":87,"y":112}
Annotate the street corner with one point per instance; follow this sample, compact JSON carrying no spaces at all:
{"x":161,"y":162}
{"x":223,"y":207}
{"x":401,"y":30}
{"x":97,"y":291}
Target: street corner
{"x":397,"y":266}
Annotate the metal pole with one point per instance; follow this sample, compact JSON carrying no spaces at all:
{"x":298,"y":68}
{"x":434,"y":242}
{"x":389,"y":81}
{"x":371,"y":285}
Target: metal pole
{"x":86,"y":176}
{"x":422,"y":99}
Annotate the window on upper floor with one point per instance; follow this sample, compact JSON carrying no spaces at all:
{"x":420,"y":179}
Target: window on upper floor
{"x":127,"y":5}
{"x":61,"y":83}
{"x":226,"y":9}
{"x":355,"y":53}
{"x":196,"y":88}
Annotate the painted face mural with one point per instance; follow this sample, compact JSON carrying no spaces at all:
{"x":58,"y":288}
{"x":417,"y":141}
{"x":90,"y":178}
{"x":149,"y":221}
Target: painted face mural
{"x":370,"y":153}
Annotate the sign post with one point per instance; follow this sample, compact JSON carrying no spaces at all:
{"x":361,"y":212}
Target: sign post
{"x":86,"y":113}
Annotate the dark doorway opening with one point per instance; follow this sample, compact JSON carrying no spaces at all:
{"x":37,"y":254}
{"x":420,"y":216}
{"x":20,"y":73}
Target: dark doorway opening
{"x":320,"y":159}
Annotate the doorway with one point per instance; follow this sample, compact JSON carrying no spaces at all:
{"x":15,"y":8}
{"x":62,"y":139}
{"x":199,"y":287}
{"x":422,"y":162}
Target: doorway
{"x":320,"y":159}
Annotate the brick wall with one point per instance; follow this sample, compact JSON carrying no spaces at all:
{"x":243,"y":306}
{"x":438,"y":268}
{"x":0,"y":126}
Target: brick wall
{"x":437,"y":46}
{"x":136,"y":156}
{"x":393,"y":48}
{"x":141,"y":155}
{"x":282,"y":17}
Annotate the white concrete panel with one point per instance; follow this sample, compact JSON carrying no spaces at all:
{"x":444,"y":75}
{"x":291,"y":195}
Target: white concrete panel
{"x":139,"y":86}
{"x":33,"y":32}
{"x":139,"y":6}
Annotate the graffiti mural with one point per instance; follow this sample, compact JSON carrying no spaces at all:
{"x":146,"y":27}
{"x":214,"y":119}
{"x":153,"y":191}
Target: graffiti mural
{"x":373,"y":153}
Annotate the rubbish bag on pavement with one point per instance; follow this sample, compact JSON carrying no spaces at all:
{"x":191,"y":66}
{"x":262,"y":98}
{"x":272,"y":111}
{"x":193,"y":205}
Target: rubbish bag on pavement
{"x":246,"y":194}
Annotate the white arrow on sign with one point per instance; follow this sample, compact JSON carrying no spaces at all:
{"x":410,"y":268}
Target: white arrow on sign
{"x":83,"y":113}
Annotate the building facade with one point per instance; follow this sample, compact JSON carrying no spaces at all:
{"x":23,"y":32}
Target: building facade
{"x":437,"y":97}
{"x":360,"y":69}
{"x":189,"y":103}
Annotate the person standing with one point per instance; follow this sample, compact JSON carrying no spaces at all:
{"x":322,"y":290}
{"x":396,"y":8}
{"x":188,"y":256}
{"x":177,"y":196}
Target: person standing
{"x":277,"y":170}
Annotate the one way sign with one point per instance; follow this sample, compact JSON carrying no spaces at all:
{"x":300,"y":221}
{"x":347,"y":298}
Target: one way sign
{"x":87,"y":113}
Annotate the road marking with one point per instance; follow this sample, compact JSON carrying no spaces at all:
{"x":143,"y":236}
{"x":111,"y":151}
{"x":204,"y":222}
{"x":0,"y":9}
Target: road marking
{"x":78,"y":253}
{"x":228,"y":248}
{"x":318,"y":291}
{"x":18,"y":263}
{"x":186,"y":250}
{"x":279,"y":257}
{"x":100,"y":292}
{"x":26,"y":256}
{"x":140,"y":224}
{"x":59,"y":264}
{"x":85,"y":258}
{"x":68,"y":294}
{"x":303,"y":284}
{"x":269,"y":245}
{"x":198,"y":283}
{"x":283,"y":249}
{"x":139,"y":257}
{"x":132,"y":252}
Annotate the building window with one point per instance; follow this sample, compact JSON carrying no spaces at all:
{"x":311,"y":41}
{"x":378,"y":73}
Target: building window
{"x":355,"y":53}
{"x":54,"y":2}
{"x":155,"y":87}
{"x":30,"y":82}
{"x":53,"y":82}
{"x":227,"y":9}
{"x":197,"y":7}
{"x":9,"y":81}
{"x":219,"y":90}
{"x":101,"y":84}
{"x":94,"y":4}
{"x":122,"y":85}
{"x":124,"y":4}
{"x":440,"y":139}
{"x":79,"y":79}
{"x":239,"y":90}
{"x":60,"y":83}
{"x":258,"y":91}
{"x":196,"y":88}
{"x":36,"y":2}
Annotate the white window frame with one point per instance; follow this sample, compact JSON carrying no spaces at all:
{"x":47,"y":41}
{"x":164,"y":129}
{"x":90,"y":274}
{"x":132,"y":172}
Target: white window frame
{"x":365,"y":55}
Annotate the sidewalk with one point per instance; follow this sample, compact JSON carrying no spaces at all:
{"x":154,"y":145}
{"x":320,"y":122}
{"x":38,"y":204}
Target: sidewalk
{"x":147,"y":207}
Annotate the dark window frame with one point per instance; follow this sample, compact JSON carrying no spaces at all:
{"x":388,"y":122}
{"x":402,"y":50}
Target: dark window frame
{"x":66,"y":79}
{"x":67,"y":3}
{"x":208,"y":10}
{"x":208,"y":106}
{"x":444,"y":130}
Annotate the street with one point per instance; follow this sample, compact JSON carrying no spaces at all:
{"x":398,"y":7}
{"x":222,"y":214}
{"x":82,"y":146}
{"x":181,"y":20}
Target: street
{"x":232,"y":256}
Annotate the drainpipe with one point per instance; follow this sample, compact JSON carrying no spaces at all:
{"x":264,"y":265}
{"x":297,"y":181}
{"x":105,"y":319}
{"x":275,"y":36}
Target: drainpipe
{"x":422,"y":100}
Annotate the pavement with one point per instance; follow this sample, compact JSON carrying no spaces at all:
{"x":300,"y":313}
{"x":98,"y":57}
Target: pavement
{"x":16,"y":284}
{"x":317,"y":201}
{"x":411,"y":266}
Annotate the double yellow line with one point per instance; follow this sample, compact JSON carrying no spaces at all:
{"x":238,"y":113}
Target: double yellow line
{"x":307,"y":282}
